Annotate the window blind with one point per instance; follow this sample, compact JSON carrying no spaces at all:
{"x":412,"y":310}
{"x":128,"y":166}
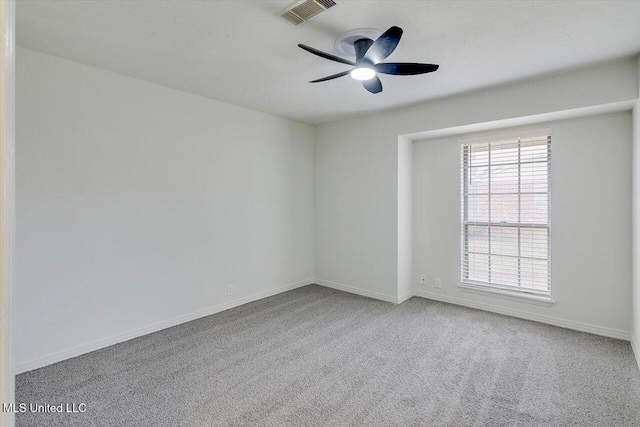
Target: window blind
{"x":506,"y":196}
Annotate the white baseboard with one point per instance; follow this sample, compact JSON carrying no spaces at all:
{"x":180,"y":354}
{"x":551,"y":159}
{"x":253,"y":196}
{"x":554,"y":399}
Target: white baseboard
{"x":360,"y":291}
{"x":405,"y":297}
{"x":636,"y":351}
{"x":563,"y":323}
{"x":106,"y":342}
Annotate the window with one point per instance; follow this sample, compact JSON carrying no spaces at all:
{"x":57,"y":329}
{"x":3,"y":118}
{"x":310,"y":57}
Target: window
{"x":505,"y":213}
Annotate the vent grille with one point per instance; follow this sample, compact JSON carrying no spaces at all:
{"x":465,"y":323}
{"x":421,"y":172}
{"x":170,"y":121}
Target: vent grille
{"x":293,"y":18}
{"x":308,"y":9}
{"x":302,"y":11}
{"x":327,"y":3}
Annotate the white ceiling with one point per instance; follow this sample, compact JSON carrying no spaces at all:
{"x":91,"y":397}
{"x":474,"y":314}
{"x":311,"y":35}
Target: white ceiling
{"x":240,"y":52}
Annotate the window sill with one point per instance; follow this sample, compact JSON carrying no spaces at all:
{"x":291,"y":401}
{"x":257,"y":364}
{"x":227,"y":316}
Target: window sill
{"x":542,"y":300}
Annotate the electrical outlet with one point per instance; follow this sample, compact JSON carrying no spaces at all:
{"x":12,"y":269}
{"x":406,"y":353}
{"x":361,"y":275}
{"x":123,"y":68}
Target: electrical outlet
{"x":229,"y":289}
{"x":437,"y":283}
{"x":423,"y":279}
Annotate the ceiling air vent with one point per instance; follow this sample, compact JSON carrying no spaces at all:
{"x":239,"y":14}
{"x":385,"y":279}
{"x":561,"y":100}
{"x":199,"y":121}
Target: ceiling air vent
{"x":302,"y":11}
{"x":293,"y":18}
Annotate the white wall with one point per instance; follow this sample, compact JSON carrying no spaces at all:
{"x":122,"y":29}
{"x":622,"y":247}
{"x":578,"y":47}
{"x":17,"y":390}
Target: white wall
{"x":356,"y":162}
{"x":635,"y":341}
{"x":590,"y":217}
{"x":138,"y":204}
{"x":7,"y":207}
{"x":356,"y":206}
{"x":405,"y":218}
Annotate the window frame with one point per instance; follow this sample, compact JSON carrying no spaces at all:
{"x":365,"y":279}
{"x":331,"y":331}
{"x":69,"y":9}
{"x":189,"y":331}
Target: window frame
{"x":501,"y":289}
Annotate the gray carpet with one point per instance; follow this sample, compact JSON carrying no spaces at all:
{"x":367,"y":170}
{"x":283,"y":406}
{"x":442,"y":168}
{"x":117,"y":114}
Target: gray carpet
{"x":320,"y":357}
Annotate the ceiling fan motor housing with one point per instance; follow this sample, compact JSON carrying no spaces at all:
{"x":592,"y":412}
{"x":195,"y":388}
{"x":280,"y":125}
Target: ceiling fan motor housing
{"x":345,"y":44}
{"x":361,"y":46}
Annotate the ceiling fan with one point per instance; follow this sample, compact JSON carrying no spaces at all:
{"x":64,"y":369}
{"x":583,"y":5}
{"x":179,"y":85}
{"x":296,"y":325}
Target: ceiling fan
{"x":369,"y":53}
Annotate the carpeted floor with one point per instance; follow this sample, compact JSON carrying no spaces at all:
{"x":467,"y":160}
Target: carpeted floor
{"x":319,"y":357}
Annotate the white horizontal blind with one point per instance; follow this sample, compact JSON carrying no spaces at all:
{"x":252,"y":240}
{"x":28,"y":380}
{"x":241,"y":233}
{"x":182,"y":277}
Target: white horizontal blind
{"x":506,"y":198}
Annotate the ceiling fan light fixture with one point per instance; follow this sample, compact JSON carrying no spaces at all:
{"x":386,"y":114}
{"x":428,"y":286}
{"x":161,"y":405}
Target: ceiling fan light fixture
{"x":363,"y":73}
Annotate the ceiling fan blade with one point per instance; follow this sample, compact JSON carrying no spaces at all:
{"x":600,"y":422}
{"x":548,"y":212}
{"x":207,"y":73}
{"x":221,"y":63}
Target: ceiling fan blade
{"x":326,"y":55}
{"x":361,"y":46}
{"x":384,"y":45}
{"x":373,"y":85}
{"x":405,"y":68}
{"x":331,"y":77}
